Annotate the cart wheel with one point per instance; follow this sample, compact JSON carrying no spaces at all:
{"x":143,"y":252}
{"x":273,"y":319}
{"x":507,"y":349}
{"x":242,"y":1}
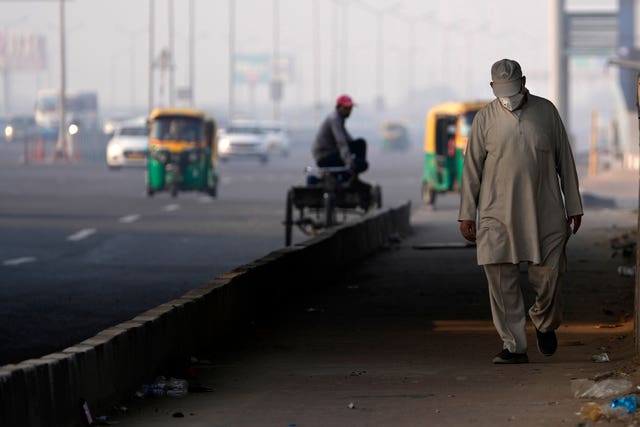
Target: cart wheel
{"x":212,"y":191}
{"x":150,"y":191}
{"x":174,"y":190}
{"x":288,"y":219}
{"x":428,"y":194}
{"x":329,"y":204}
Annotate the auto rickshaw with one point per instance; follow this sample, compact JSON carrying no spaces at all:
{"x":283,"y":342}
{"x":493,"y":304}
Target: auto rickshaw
{"x":447,"y":131}
{"x":395,"y":135}
{"x":182,"y":152}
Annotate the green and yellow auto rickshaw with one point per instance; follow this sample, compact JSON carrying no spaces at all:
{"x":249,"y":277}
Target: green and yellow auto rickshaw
{"x":445,"y":141}
{"x":182,"y":152}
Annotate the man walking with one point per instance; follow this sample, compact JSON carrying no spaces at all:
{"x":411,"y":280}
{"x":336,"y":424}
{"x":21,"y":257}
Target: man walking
{"x":520,"y":184}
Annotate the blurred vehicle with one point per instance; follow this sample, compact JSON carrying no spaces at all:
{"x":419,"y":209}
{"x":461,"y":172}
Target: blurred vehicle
{"x":446,"y":135}
{"x":244,"y":138}
{"x":129,"y":144}
{"x":109,"y":124}
{"x":277,"y":137}
{"x":395,"y":135}
{"x":81,"y":108}
{"x":182,"y":152}
{"x":4,"y":121}
{"x":21,"y":128}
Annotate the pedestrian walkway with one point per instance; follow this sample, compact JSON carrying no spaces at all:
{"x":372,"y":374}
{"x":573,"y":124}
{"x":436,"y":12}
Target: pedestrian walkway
{"x":406,"y":339}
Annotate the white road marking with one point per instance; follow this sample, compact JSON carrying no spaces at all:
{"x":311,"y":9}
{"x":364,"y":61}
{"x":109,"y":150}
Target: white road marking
{"x":18,"y":261}
{"x":172,"y":207}
{"x":82,"y":234}
{"x":128,"y":219}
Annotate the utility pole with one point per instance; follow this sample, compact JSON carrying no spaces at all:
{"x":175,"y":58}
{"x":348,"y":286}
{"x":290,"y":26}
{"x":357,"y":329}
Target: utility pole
{"x":151,"y":54}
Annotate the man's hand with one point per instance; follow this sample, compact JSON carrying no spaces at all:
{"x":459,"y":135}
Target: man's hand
{"x":468,"y":230}
{"x":575,"y":221}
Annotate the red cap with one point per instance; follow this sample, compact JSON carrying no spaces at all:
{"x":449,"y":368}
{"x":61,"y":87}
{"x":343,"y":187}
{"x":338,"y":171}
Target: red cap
{"x":345,"y":100}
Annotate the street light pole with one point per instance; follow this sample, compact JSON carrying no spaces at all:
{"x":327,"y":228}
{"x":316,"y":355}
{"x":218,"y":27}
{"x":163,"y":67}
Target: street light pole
{"x":171,"y":56}
{"x":61,"y":150}
{"x":191,"y":52}
{"x":379,"y":50}
{"x":232,"y":54}
{"x":334,"y":51}
{"x":276,"y":78}
{"x":345,"y":46}
{"x":379,"y":14}
{"x":151,"y":60}
{"x":316,"y":60}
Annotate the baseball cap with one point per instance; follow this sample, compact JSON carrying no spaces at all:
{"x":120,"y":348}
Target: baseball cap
{"x":506,"y":75}
{"x":345,"y":100}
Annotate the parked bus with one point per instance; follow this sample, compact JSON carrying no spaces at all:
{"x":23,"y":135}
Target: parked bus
{"x":81,"y":109}
{"x":447,"y":131}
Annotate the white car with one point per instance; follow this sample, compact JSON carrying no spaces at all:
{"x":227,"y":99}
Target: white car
{"x":277,"y":137}
{"x":129,"y":144}
{"x":243,"y":138}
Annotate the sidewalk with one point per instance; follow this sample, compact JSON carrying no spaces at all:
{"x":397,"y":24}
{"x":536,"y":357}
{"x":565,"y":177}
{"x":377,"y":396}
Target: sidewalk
{"x":406,"y":339}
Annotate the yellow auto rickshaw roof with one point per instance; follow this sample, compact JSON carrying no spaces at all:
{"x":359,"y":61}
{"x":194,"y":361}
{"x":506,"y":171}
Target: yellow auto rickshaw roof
{"x":187,"y":112}
{"x":457,"y":107}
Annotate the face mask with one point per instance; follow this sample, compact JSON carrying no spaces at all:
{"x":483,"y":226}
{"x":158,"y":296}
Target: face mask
{"x":511,"y":102}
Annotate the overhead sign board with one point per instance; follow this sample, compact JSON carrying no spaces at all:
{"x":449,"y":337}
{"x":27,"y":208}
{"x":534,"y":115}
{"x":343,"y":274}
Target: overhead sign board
{"x":592,"y":33}
{"x":252,"y":69}
{"x":259,"y":69}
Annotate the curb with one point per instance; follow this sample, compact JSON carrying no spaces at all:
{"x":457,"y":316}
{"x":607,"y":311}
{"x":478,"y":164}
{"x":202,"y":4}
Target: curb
{"x":113,"y":364}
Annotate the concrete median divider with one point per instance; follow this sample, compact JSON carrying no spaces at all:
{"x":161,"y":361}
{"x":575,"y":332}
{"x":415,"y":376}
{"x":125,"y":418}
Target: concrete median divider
{"x":109,"y":367}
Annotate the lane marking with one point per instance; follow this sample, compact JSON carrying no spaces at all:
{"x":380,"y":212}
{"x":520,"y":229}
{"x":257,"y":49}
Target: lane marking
{"x":18,"y":261}
{"x":82,"y":234}
{"x":172,"y":207}
{"x":128,"y":219}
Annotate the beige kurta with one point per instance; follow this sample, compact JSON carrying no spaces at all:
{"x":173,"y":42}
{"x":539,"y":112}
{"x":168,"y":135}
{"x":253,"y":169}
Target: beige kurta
{"x":519,"y":182}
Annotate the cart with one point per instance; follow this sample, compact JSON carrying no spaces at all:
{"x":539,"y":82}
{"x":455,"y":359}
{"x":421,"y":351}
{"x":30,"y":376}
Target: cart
{"x":330,"y":196}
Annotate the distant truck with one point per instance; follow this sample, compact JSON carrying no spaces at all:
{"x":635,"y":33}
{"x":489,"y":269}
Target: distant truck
{"x":81,"y":110}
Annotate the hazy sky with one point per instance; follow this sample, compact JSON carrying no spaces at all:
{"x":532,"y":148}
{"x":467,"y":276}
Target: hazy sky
{"x":456,"y":41}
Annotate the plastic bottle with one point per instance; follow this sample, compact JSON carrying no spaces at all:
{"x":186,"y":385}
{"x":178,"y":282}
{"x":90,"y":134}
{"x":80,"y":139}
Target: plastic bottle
{"x":177,"y":387}
{"x":625,"y":270}
{"x":599,"y":358}
{"x":153,"y":390}
{"x":628,"y":402}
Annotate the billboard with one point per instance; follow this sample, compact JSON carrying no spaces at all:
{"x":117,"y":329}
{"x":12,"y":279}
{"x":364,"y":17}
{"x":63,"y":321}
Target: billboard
{"x":258,"y":69}
{"x":252,"y":69}
{"x":22,"y":50}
